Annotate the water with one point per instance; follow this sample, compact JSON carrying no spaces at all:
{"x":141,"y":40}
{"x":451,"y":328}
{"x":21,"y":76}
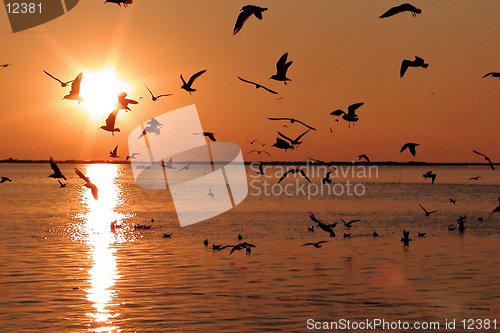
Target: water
{"x":64,"y":270}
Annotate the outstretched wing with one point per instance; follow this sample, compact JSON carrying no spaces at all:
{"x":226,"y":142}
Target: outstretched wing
{"x":391,"y":12}
{"x":75,"y":85}
{"x":476,"y":152}
{"x":110,"y":121}
{"x":311,"y":215}
{"x":81,"y":175}
{"x":304,"y":174}
{"x":404,"y":66}
{"x":55,"y":168}
{"x":298,"y":138}
{"x":240,"y":21}
{"x":55,"y":78}
{"x":152,"y":96}
{"x":352,"y":108}
{"x":284,"y":175}
{"x":247,"y":81}
{"x":195,"y":76}
{"x":284,"y":136}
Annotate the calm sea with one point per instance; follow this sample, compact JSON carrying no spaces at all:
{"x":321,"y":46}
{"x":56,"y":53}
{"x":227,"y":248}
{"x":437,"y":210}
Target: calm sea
{"x":62,"y":268}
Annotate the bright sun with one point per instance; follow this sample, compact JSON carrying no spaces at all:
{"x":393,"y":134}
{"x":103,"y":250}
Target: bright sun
{"x":100,"y":92}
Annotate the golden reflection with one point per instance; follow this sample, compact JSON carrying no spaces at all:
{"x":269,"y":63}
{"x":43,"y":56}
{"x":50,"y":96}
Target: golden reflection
{"x":98,"y":218}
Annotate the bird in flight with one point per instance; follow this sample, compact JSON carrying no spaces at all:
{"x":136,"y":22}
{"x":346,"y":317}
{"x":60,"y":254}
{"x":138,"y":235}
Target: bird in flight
{"x":153,"y":97}
{"x":430,"y":175}
{"x":209,"y":135}
{"x":453,"y":201}
{"x":281,"y":69}
{"x":350,"y":116}
{"x":57,"y":172}
{"x":492,"y":74}
{"x":258,"y":85}
{"x":63,"y":84}
{"x":186,"y":167}
{"x":406,"y":7}
{"x":418,"y":62}
{"x":327,"y":179}
{"x":242,"y":246}
{"x":292,"y":120}
{"x":325,"y":227}
{"x":119,"y":2}
{"x":486,"y":158}
{"x":132,"y":156}
{"x":246,"y":12}
{"x":5,"y":179}
{"x":497,"y":209}
{"x":348,"y":225}
{"x":110,"y":123}
{"x":187,"y":86}
{"x":365,"y":157}
{"x":258,"y":152}
{"x":88,"y":184}
{"x":475,"y":178}
{"x":153,"y":127}
{"x":282,"y":144}
{"x":411,"y":147}
{"x":406,"y":238}
{"x":294,"y":171}
{"x":114,"y":152}
{"x":426,"y":212}
{"x":124,"y":102}
{"x":316,"y":245}
{"x":294,"y":142}
{"x":4,"y":65}
{"x":75,"y":89}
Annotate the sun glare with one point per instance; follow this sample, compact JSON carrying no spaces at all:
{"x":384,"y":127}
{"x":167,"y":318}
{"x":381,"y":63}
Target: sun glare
{"x":100,"y":92}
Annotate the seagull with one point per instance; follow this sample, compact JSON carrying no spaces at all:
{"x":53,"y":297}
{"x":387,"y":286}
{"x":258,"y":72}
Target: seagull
{"x":241,"y":246}
{"x":124,"y":102}
{"x":110,"y":123}
{"x":294,"y":171}
{"x":114,"y":152}
{"x":220,"y":247}
{"x":153,"y":127}
{"x":167,"y":235}
{"x":411,"y":147}
{"x":486,"y":158}
{"x":316,"y":245}
{"x":406,"y":7}
{"x":57,"y":172}
{"x":256,"y":140}
{"x":88,"y":184}
{"x":261,"y":170}
{"x":153,"y":97}
{"x":493,"y":74}
{"x":431,"y":175}
{"x":168,"y":165}
{"x":63,"y":84}
{"x":365,"y":157}
{"x":205,"y":242}
{"x":292,"y":120}
{"x":210,"y":135}
{"x":75,"y":89}
{"x":327,"y":179}
{"x":119,"y":2}
{"x":187,"y":86}
{"x":186,"y":167}
{"x":461,"y":223}
{"x":497,"y":209}
{"x":406,"y":238}
{"x":246,"y":12}
{"x":281,"y":68}
{"x":350,"y":116}
{"x":132,"y":156}
{"x":348,"y":225}
{"x":282,"y":144}
{"x":475,"y":178}
{"x":240,"y":237}
{"x":426,"y":212}
{"x":375,"y":234}
{"x":5,"y":179}
{"x":418,"y":62}
{"x":4,"y":65}
{"x":421,"y":234}
{"x":294,"y":142}
{"x":453,"y":201}
{"x":258,"y":152}
{"x":325,"y":227}
{"x":61,"y":184}
{"x":257,"y":85}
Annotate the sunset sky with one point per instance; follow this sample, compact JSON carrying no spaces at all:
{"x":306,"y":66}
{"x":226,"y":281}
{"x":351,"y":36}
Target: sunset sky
{"x":342,"y":54}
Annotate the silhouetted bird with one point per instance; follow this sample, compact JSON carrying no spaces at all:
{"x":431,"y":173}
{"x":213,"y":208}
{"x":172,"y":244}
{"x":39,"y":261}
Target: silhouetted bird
{"x":187,"y":86}
{"x":186,"y":167}
{"x":246,"y":12}
{"x":88,"y":184}
{"x":453,"y":201}
{"x":406,"y":238}
{"x":4,"y":65}
{"x":475,"y":178}
{"x":316,"y":245}
{"x":119,"y":2}
{"x":282,"y":144}
{"x":418,"y":62}
{"x":350,"y":116}
{"x":240,"y":237}
{"x":426,"y":212}
{"x":61,"y":184}
{"x":365,"y":157}
{"x":293,"y":120}
{"x":294,"y":171}
{"x":169,"y":164}
{"x":258,"y":152}
{"x":486,"y":158}
{"x":110,"y":123}
{"x":411,"y":147}
{"x":326,"y":179}
{"x":168,"y":235}
{"x":63,"y":84}
{"x":124,"y":102}
{"x":421,"y":234}
{"x":261,"y":170}
{"x":375,"y":234}
{"x":205,"y":242}
{"x":493,"y":74}
{"x":348,"y":225}
{"x":153,"y":97}
{"x":132,"y":156}
{"x":209,"y":135}
{"x":257,"y":85}
{"x":154,"y":126}
{"x":57,"y":172}
{"x":294,"y":142}
{"x":281,"y":69}
{"x":406,"y":7}
{"x":5,"y":179}
{"x":75,"y":89}
{"x":114,"y":152}
{"x":430,"y":175}
{"x":325,"y":227}
{"x":216,"y":247}
{"x":241,"y":246}
{"x":497,"y":209}
{"x":461,"y":223}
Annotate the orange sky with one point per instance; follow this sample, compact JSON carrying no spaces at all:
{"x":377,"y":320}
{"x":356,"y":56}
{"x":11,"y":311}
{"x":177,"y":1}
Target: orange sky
{"x":342,"y":54}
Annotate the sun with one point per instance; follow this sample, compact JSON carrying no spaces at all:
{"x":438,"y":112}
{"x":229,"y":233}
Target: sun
{"x":100,"y":90}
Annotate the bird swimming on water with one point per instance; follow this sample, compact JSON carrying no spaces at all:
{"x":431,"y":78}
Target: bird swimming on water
{"x":246,"y":12}
{"x":187,"y":86}
{"x":63,"y":84}
{"x":281,"y":69}
{"x":88,"y":184}
{"x":110,"y":123}
{"x":74,"y":93}
{"x":418,"y":62}
{"x":406,"y":7}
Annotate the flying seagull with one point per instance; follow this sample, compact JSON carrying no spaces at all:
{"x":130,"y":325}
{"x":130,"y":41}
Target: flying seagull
{"x":119,"y":2}
{"x":57,"y":172}
{"x":426,"y":212}
{"x":153,"y":127}
{"x":411,"y":147}
{"x":281,"y":68}
{"x":282,"y":144}
{"x":63,"y":84}
{"x":350,"y":116}
{"x":258,"y":85}
{"x":209,"y":135}
{"x":475,"y":178}
{"x":294,"y":142}
{"x":316,"y":245}
{"x":258,"y":152}
{"x":493,"y":74}
{"x":75,"y":89}
{"x":406,"y":7}
{"x":348,"y":225}
{"x":5,"y":179}
{"x":325,"y":227}
{"x":153,"y":97}
{"x":114,"y":152}
{"x":131,"y":156}
{"x":88,"y":184}
{"x":497,"y":209}
{"x":326,"y":179}
{"x":186,"y":167}
{"x":430,"y":175}
{"x":124,"y":102}
{"x":453,"y":201}
{"x":246,"y":12}
{"x":187,"y":86}
{"x":486,"y":158}
{"x":365,"y":157}
{"x":110,"y":123}
{"x":294,"y":171}
{"x":292,"y":120}
{"x":418,"y":62}
{"x":241,"y":246}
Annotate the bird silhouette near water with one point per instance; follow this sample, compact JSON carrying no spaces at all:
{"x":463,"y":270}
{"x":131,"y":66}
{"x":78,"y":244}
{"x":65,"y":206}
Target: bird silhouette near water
{"x":348,"y":225}
{"x":5,"y":179}
{"x":155,"y":98}
{"x":282,"y":144}
{"x":418,"y":62}
{"x":325,"y":227}
{"x":257,"y":85}
{"x":281,"y":68}
{"x":294,"y":142}
{"x":427,"y":213}
{"x":114,"y":152}
{"x":244,"y":15}
{"x":188,"y":85}
{"x":88,"y":184}
{"x":430,"y":175}
{"x":57,"y":172}
{"x":486,"y":158}
{"x":316,"y":245}
{"x":350,"y":116}
{"x":300,"y":171}
{"x":367,"y":159}
{"x":63,"y":84}
{"x":411,"y":147}
{"x":406,"y":7}
{"x":74,"y":93}
{"x":110,"y":123}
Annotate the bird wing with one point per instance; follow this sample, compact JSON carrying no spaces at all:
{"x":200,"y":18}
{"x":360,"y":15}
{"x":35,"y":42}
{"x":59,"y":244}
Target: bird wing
{"x":476,"y":152}
{"x":75,"y":85}
{"x":163,"y":95}
{"x":266,"y":152}
{"x":352,"y":108}
{"x":298,"y":138}
{"x":307,"y":244}
{"x":247,"y":81}
{"x":392,"y":11}
{"x":115,"y":150}
{"x":305,"y":124}
{"x":423,"y":209}
{"x":404,"y":147}
{"x":110,"y":121}
{"x":304,"y":174}
{"x":284,"y":136}
{"x":260,"y":168}
{"x":211,"y":136}
{"x":195,"y":76}
{"x":311,"y":215}
{"x":271,"y":91}
{"x":240,"y":20}
{"x":284,"y":175}
{"x":412,"y":149}
{"x":404,"y":67}
{"x":419,"y":60}
{"x":491,"y":73}
{"x":281,"y":63}
{"x":55,"y":78}
{"x":149,"y":91}
{"x":337,"y":113}
{"x":55,"y":168}
{"x":278,"y":118}
{"x":81,"y":175}
{"x":93,"y":188}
